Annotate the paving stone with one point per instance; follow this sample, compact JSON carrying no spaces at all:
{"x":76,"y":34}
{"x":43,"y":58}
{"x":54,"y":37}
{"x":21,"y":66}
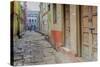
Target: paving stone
{"x":51,"y":62}
{"x":38,"y":50}
{"x":27,"y":60}
{"x":48,"y":58}
{"x":47,"y":54}
{"x":18,"y":63}
{"x":49,"y":50}
{"x":38,"y":59}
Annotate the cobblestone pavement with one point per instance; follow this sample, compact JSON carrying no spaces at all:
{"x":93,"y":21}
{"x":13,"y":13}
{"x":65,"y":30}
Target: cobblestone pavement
{"x":34,"y":49}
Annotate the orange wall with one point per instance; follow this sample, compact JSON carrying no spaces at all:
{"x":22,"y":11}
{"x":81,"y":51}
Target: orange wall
{"x":57,"y":37}
{"x":56,"y":29}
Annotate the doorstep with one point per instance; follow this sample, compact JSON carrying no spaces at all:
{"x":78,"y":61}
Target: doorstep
{"x":70,"y":55}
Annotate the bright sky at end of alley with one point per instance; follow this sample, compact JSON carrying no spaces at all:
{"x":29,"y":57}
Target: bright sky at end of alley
{"x":33,"y":6}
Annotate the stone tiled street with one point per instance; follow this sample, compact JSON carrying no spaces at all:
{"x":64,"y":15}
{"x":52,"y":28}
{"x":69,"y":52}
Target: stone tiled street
{"x":33,"y":49}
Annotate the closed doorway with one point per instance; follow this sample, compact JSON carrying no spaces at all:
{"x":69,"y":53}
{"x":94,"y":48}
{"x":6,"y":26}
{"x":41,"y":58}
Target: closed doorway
{"x":88,"y":30}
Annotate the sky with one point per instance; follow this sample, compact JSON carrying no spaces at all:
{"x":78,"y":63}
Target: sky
{"x":33,"y":6}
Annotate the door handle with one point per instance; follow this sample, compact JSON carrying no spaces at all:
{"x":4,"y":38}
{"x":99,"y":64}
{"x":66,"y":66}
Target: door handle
{"x":91,"y":29}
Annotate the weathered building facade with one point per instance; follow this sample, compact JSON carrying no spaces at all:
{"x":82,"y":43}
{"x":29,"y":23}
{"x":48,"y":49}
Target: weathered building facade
{"x":18,"y":15}
{"x":44,"y":18}
{"x":72,"y":27}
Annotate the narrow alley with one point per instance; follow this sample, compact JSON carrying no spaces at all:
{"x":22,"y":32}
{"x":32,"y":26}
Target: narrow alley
{"x":34,"y":49}
{"x":50,"y":33}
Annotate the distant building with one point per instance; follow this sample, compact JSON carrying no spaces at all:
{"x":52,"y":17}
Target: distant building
{"x":32,"y":20}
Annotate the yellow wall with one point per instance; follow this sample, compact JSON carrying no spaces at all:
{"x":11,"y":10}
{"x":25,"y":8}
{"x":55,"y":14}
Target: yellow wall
{"x":15,"y":25}
{"x":18,"y":14}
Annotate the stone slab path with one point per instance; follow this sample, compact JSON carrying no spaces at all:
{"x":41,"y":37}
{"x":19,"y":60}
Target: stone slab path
{"x":34,"y":49}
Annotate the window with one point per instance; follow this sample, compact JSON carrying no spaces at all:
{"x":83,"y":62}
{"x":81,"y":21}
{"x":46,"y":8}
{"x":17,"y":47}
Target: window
{"x":54,"y":13}
{"x":48,"y":7}
{"x":32,"y":20}
{"x":35,"y":20}
{"x":29,"y":20}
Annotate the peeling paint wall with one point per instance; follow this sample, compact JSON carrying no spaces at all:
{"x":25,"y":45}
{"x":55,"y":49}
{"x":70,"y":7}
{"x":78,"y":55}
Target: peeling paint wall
{"x":56,"y":27}
{"x":44,"y":18}
{"x":18,"y":20}
{"x":73,"y":30}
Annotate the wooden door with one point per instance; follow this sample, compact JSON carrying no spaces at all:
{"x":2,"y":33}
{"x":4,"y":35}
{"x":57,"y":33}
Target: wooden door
{"x":89,"y":32}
